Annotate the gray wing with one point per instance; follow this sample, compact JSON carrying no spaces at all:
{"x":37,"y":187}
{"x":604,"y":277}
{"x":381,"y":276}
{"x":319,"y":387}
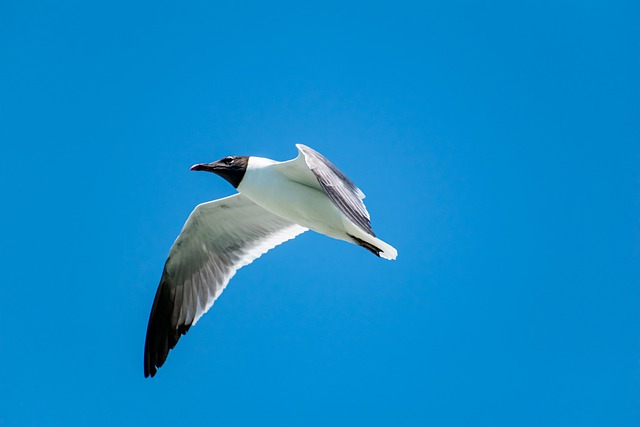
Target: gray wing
{"x":218,"y":238}
{"x":340,"y":189}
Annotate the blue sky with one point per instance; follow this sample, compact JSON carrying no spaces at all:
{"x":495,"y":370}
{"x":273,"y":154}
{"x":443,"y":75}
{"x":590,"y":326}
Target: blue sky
{"x":498,"y":145}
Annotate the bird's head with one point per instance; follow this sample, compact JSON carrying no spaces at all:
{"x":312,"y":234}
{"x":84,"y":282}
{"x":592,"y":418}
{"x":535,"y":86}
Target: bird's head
{"x":231,"y":168}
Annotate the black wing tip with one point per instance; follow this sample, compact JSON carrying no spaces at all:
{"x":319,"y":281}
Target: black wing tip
{"x":368,"y":246}
{"x":160,"y":341}
{"x":163,"y":333}
{"x":149,"y":371}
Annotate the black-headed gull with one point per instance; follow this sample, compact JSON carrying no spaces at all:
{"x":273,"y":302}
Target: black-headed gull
{"x":276,"y":202}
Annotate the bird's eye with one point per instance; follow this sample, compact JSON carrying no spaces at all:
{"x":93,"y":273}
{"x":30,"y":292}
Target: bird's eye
{"x":229,"y":160}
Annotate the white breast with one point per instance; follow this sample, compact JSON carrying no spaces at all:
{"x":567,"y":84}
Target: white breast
{"x":301,"y":204}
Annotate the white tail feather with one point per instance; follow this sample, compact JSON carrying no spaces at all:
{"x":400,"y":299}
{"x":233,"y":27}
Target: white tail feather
{"x":388,"y":251}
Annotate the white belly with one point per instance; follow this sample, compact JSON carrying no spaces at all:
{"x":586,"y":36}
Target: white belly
{"x":309,"y":207}
{"x":298,"y":203}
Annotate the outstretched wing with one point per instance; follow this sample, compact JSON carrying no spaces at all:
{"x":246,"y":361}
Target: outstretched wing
{"x":340,"y":189}
{"x":218,"y":238}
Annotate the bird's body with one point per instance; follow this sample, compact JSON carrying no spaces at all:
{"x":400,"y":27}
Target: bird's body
{"x":276,"y":202}
{"x":266,"y":186}
{"x":281,"y":188}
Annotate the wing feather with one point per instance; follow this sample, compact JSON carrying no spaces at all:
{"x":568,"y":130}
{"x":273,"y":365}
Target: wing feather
{"x":218,"y":238}
{"x":338,"y":187}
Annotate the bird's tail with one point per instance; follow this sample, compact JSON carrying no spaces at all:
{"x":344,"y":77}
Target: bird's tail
{"x":376,"y":246}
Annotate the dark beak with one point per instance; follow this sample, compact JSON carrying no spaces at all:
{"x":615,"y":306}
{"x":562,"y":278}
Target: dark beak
{"x":207,"y":167}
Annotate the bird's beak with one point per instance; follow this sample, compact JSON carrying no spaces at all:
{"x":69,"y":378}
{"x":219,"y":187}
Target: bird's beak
{"x":207,"y":167}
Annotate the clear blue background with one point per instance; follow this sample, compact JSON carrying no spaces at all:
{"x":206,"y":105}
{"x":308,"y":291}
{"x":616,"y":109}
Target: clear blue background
{"x":498,"y":144}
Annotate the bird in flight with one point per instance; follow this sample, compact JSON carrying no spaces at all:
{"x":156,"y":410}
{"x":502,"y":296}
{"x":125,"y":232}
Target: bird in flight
{"x":276,"y":201}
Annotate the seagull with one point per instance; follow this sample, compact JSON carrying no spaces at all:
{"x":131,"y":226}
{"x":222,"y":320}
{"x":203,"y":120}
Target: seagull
{"x":276,"y":201}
